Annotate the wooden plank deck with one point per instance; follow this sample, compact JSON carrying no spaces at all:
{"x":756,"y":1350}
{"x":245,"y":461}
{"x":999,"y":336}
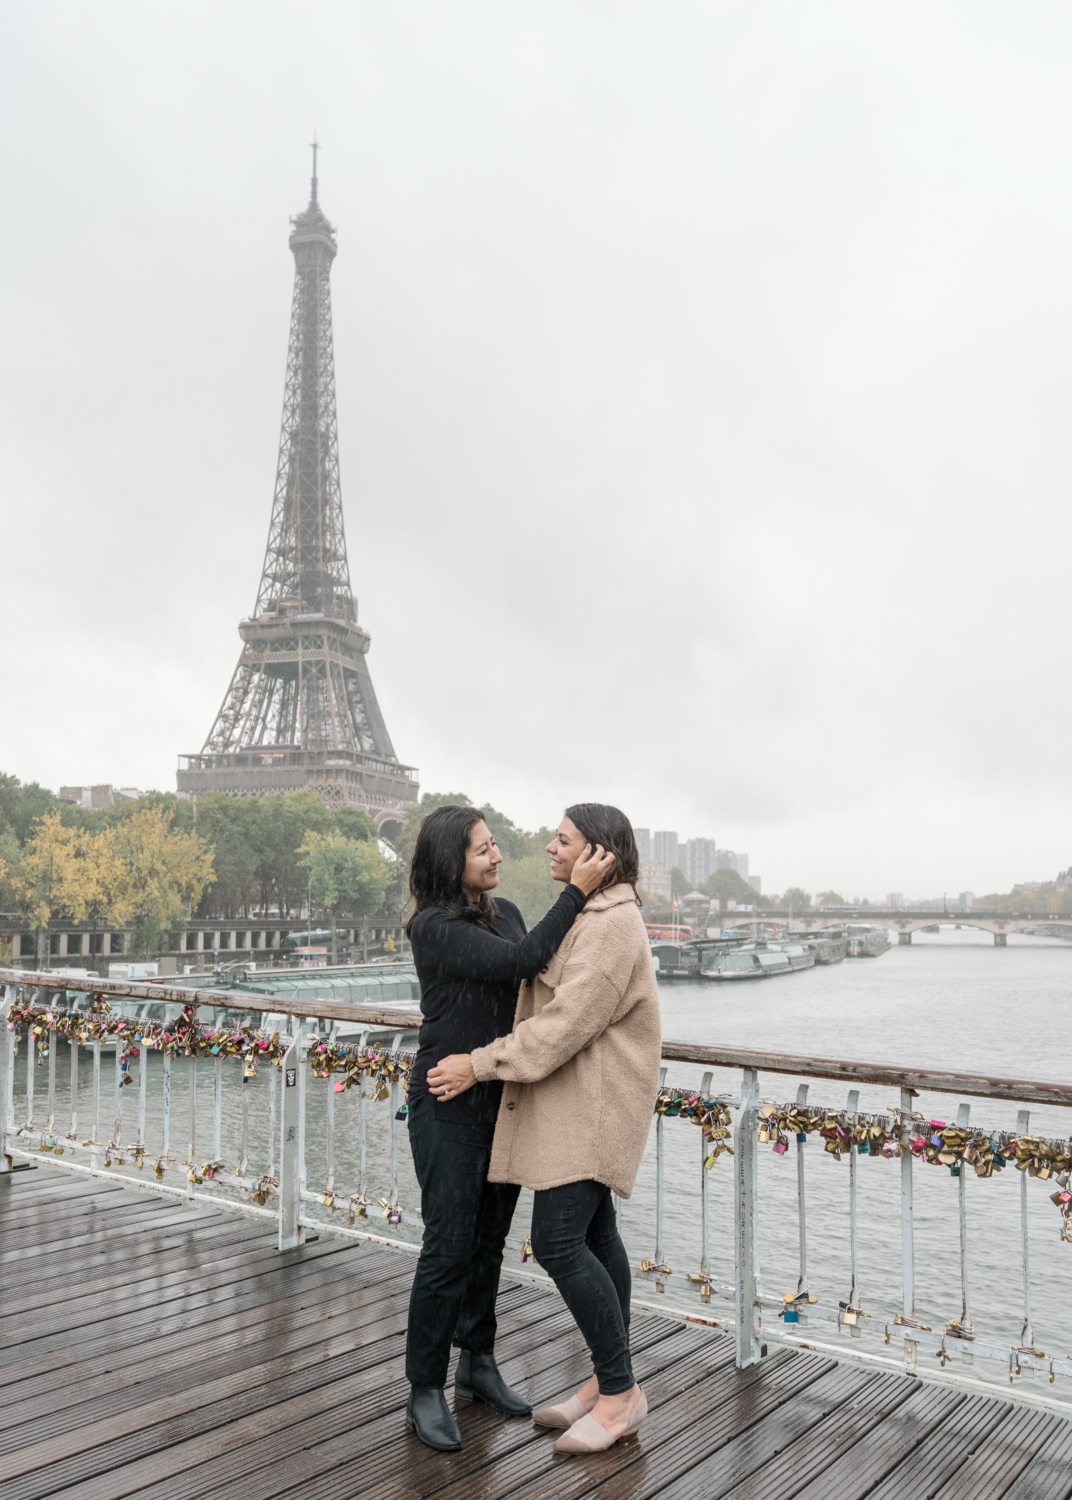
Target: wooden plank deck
{"x":152,"y":1349}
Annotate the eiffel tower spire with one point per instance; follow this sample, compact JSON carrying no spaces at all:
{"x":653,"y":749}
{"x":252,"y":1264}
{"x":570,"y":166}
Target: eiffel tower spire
{"x":301,"y":709}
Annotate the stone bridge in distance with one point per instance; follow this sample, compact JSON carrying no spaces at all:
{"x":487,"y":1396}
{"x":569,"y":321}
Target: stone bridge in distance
{"x":905,"y":923}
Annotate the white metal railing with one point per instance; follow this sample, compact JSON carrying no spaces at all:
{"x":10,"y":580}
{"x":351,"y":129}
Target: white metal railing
{"x":255,"y":1159}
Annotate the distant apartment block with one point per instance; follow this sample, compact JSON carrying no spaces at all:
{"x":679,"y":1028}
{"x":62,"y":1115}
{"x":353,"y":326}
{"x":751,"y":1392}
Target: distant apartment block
{"x":699,"y":860}
{"x":655,"y":879}
{"x":99,"y":796}
{"x":664,"y":848}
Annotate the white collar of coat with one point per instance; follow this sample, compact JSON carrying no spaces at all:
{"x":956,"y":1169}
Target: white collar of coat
{"x":614,"y":895}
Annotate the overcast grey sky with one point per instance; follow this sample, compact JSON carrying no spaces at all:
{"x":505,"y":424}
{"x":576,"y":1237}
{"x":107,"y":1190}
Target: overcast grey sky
{"x":704,"y":388}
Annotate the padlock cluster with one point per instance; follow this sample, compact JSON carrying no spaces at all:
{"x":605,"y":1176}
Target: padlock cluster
{"x":352,"y":1065}
{"x":712,"y":1116}
{"x":183,"y":1038}
{"x":935,"y":1142}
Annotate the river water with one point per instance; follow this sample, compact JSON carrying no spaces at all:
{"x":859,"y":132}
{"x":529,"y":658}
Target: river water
{"x":952,"y":1000}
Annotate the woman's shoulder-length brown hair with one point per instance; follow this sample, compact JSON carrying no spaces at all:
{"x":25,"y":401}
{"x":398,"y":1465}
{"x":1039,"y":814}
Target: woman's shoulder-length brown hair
{"x":602,"y":824}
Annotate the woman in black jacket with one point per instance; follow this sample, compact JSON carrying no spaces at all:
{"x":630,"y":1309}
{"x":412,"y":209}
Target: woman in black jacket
{"x":471,"y":953}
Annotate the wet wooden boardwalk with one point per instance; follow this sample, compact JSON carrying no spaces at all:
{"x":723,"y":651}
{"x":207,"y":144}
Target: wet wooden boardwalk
{"x":151,"y":1349}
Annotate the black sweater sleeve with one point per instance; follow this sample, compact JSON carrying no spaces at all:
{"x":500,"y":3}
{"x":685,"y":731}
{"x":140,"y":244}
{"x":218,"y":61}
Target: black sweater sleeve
{"x":455,"y":948}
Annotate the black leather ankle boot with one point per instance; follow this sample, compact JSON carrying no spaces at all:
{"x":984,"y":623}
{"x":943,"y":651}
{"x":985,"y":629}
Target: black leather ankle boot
{"x":429,"y":1416}
{"x":477,"y":1378}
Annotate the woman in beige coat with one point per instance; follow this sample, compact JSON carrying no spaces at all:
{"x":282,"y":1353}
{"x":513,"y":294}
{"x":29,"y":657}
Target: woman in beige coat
{"x":580,"y":1073}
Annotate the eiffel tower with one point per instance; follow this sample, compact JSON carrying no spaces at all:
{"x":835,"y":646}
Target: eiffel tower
{"x":301,"y":710}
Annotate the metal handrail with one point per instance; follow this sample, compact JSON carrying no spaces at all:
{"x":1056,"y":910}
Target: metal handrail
{"x":932,"y":1080}
{"x":756,"y":1313}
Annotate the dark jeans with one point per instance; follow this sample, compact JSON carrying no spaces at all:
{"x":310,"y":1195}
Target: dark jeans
{"x":466,"y":1220}
{"x":575,"y":1238}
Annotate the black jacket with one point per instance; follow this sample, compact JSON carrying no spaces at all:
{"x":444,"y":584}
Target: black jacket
{"x":470,"y":977}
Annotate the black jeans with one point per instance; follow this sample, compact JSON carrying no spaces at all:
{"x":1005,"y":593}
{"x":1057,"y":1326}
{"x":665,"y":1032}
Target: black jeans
{"x":575,"y":1238}
{"x":466,"y":1221}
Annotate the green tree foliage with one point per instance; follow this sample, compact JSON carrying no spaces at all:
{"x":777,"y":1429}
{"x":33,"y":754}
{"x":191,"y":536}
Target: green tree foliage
{"x":527,"y":883}
{"x":513,"y":842}
{"x":415,"y":815}
{"x":830,"y":898}
{"x":798,"y":899}
{"x":231,"y":826}
{"x":727,"y":885}
{"x":95,"y":819}
{"x":345,"y":875}
{"x":524,"y":876}
{"x":679,"y":882}
{"x":355,"y":823}
{"x":9,"y":860}
{"x":286,"y":818}
{"x":21,"y":806}
{"x":1044,"y":901}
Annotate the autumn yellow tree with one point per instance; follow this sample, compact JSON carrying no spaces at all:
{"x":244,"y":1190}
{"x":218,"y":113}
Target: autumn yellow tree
{"x":56,"y":876}
{"x":148,"y":871}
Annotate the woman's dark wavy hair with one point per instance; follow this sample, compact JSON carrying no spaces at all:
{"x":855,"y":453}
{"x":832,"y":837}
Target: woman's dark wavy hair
{"x":610,"y":827}
{"x":438,"y":864}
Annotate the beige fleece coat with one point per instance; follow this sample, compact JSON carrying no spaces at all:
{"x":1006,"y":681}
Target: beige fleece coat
{"x":581,"y":1067}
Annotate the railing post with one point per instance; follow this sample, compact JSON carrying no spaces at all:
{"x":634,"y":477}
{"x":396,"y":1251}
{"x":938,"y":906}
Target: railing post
{"x":301,"y":1106}
{"x":143,"y":1064}
{"x":1027,"y":1332}
{"x":31,"y":1058}
{"x":395,"y":1045}
{"x":362,"y":1124}
{"x":908,"y":1265}
{"x":165,"y":1142}
{"x":191,"y":1099}
{"x":963,"y":1116}
{"x":660,"y":1180}
{"x":217,"y":1110}
{"x":50,"y":1124}
{"x":290,"y":1231}
{"x":117,"y":1129}
{"x":802,"y":1213}
{"x":746,"y":1187}
{"x":73,"y":1044}
{"x":854,"y":1308}
{"x":705,"y":1233}
{"x":7,"y":1082}
{"x":95,"y":1137}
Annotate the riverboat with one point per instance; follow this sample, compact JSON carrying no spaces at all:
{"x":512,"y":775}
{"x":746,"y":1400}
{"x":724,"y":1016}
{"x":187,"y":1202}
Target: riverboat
{"x":756,"y":961}
{"x":671,"y":960}
{"x":827,"y":947}
{"x":866,"y":941}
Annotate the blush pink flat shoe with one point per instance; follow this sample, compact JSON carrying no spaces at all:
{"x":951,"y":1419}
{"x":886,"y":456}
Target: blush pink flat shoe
{"x":562,"y":1416}
{"x":589,"y":1436}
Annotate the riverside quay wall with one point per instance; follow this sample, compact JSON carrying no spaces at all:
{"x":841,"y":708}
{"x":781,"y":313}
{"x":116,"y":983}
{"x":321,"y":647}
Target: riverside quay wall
{"x":197,"y":944}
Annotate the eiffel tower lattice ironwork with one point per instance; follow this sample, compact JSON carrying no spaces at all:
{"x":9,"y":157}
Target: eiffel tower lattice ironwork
{"x":301,"y":709}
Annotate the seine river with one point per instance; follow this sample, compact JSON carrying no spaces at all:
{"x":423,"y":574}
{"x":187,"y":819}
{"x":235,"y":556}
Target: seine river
{"x":950,"y":1000}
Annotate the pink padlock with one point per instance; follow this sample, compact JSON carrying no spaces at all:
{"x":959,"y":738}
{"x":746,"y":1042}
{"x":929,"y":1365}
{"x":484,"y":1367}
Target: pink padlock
{"x":780,"y":1147}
